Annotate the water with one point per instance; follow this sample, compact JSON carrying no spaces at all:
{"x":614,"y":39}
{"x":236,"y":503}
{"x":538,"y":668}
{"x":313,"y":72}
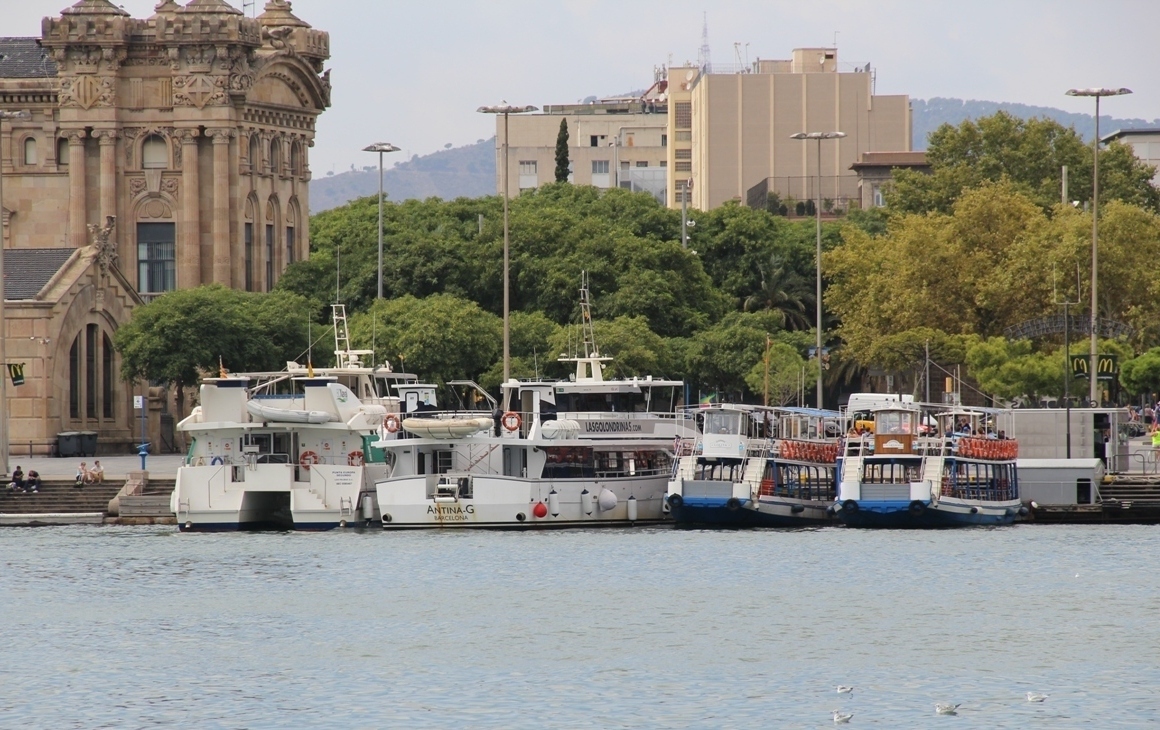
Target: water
{"x":144,"y":627}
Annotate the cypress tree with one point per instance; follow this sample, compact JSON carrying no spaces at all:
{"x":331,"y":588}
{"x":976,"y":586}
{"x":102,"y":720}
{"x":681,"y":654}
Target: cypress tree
{"x":562,"y":152}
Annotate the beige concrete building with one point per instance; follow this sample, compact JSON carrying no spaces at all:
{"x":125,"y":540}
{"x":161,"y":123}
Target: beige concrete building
{"x":1145,"y":143}
{"x":611,"y":143}
{"x":874,"y":171}
{"x":192,"y":129}
{"x":730,"y":132}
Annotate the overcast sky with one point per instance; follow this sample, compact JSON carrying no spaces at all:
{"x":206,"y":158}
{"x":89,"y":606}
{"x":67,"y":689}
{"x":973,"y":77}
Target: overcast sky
{"x":413,"y":73}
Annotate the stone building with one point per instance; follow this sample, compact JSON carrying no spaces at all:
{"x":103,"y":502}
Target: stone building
{"x":191,"y":129}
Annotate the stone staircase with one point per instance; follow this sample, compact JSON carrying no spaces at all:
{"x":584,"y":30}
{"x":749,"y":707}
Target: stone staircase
{"x":60,"y":496}
{"x":1140,"y":491}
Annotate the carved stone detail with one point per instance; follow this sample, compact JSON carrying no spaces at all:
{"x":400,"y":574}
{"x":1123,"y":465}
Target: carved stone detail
{"x":199,"y":90}
{"x":106,"y":252}
{"x":87,"y":91}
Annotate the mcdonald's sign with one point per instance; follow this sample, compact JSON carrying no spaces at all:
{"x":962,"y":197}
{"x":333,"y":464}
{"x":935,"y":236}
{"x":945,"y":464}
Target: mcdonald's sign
{"x":1107,"y":366}
{"x":16,"y":372}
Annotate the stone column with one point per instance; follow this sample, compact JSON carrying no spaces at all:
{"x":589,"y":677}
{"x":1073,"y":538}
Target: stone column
{"x":222,"y":266}
{"x":78,"y":233}
{"x":108,"y":143}
{"x":189,"y":246}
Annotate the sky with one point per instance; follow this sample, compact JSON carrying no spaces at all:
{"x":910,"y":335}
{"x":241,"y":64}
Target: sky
{"x":413,"y":73}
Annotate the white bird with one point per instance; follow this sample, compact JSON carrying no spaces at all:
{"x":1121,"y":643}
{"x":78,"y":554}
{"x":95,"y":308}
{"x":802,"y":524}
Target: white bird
{"x":844,"y":690}
{"x":1036,"y":697}
{"x":842,"y":717}
{"x":943,"y":708}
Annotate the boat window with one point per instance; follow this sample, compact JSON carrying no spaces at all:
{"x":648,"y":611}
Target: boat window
{"x":723,"y":422}
{"x":568,"y":462}
{"x":602,"y":402}
{"x":894,"y":423}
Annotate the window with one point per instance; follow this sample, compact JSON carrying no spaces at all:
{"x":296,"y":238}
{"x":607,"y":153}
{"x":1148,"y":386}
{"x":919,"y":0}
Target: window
{"x":154,"y":153}
{"x":91,"y":371}
{"x":664,"y":140}
{"x":249,"y":256}
{"x":625,"y":164}
{"x":600,"y":167}
{"x":664,"y":163}
{"x":30,"y":151}
{"x":107,"y":376}
{"x":594,"y":141}
{"x":683,"y":154}
{"x":295,"y":159}
{"x":642,"y":163}
{"x":156,"y":269}
{"x":62,"y":151}
{"x":269,"y":257}
{"x":527,"y":167}
{"x":684,"y":166}
{"x":255,"y":154}
{"x":684,"y":136}
{"x":276,"y":157}
{"x":74,"y":379}
{"x":684,"y":115}
{"x":289,"y":245}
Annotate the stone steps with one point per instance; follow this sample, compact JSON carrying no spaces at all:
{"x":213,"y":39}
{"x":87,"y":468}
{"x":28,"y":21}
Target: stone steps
{"x":60,"y":496}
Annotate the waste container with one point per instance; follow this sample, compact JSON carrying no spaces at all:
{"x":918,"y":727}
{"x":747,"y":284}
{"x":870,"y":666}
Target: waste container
{"x":88,"y":443}
{"x":68,"y":444}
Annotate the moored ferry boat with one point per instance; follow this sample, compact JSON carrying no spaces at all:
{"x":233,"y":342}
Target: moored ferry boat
{"x":945,"y":470}
{"x":756,"y":466}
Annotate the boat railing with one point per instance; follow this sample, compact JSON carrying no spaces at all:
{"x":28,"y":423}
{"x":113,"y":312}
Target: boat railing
{"x":992,"y":490}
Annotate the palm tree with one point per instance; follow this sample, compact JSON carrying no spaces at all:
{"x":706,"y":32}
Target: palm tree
{"x":784,"y":291}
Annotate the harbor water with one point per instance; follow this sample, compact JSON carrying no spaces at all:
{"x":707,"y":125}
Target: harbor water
{"x":651,"y":628}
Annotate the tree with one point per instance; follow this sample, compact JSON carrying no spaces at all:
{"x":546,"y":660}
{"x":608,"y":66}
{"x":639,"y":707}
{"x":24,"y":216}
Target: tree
{"x":1028,"y":152}
{"x":784,"y":374}
{"x":784,"y":292}
{"x":1010,"y":369}
{"x":562,"y":153}
{"x":1142,"y":374}
{"x":184,"y":333}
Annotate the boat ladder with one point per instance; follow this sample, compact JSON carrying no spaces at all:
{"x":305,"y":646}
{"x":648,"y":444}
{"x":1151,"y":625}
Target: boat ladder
{"x":346,"y":506}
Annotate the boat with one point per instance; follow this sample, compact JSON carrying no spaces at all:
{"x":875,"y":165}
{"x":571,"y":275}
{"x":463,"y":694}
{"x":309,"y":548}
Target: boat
{"x":585,"y":451}
{"x":756,"y":466}
{"x":253,"y":468}
{"x":909,"y":465}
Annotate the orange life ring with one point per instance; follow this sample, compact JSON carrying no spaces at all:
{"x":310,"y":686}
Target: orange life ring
{"x":512,"y":421}
{"x":787,"y":449}
{"x":308,"y":458}
{"x":355,"y":458}
{"x":392,"y":423}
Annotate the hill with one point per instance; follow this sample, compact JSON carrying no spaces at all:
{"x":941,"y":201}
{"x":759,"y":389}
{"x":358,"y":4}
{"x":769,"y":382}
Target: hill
{"x":460,"y":171}
{"x":470,"y":170}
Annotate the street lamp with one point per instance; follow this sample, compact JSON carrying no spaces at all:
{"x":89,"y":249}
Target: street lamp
{"x":819,"y":136}
{"x":381,"y":147}
{"x":1092,"y":365}
{"x":505,"y":109}
{"x":3,"y":353}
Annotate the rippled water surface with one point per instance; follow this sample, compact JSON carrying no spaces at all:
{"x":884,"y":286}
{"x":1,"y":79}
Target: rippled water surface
{"x":145,"y":627}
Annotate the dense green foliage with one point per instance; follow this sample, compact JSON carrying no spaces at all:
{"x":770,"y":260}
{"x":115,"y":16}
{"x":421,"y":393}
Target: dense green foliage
{"x":562,"y":163}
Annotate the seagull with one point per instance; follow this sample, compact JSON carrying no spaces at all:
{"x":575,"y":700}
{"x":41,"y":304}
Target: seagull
{"x":840,"y":718}
{"x":844,"y":690}
{"x":943,"y":708}
{"x":1036,"y":697}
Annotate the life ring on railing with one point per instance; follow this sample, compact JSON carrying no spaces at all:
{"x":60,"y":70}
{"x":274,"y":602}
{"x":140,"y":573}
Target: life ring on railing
{"x":355,"y":458}
{"x":216,"y":461}
{"x":512,"y":421}
{"x":308,"y":459}
{"x":965,"y":448}
{"x":391,"y":423}
{"x":787,"y":449}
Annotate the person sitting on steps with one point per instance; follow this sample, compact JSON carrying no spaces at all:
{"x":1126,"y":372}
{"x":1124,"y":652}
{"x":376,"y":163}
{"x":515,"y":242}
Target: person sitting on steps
{"x":97,"y":473}
{"x":82,"y":476}
{"x":17,"y":483}
{"x":32,"y":483}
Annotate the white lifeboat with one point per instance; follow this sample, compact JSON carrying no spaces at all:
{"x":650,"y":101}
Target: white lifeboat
{"x":446,"y":427}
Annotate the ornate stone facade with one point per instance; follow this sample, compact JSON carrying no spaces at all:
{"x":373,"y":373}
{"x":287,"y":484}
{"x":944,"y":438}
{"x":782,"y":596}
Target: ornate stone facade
{"x":191,"y":128}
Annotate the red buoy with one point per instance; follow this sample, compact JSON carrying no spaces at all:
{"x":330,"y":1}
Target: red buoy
{"x":540,"y":510}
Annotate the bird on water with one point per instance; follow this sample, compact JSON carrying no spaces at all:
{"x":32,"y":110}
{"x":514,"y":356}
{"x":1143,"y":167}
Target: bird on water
{"x":844,"y":690}
{"x":842,"y":717}
{"x":943,"y":708}
{"x":1036,"y":697}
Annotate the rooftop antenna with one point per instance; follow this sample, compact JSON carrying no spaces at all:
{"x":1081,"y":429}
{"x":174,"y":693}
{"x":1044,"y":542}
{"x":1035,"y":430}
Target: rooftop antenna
{"x":337,"y":273}
{"x":703,"y":59}
{"x":835,"y":39}
{"x":250,"y":7}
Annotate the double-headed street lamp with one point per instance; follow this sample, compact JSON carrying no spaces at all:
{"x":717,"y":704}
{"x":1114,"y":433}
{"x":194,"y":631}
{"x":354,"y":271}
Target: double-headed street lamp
{"x":381,"y":148}
{"x":1092,"y":365}
{"x":819,"y":136}
{"x":505,"y":109}
{"x":3,"y":352}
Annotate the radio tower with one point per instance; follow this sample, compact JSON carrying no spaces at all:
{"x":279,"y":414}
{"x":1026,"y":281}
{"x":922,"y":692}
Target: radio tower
{"x":703,"y":54}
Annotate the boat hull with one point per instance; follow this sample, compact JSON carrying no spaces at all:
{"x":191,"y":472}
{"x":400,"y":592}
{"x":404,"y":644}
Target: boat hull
{"x":715,"y":512}
{"x":899,"y":514}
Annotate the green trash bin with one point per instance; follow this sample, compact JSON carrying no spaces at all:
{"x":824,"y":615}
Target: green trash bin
{"x":68,"y":444}
{"x":88,"y":443}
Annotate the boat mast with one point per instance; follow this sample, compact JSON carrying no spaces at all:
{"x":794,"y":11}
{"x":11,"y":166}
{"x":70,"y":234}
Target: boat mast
{"x":588,"y":364}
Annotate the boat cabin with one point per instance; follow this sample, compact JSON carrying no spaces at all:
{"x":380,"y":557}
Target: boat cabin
{"x":895,"y":430}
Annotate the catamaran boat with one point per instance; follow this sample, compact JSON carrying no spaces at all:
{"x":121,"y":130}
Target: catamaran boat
{"x":582,"y":452}
{"x":756,"y":466}
{"x":290,"y":462}
{"x":901,"y":469}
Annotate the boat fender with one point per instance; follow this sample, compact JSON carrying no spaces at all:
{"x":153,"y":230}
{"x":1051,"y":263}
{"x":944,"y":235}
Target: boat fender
{"x":355,"y":458}
{"x":606,"y":500}
{"x":917,"y":508}
{"x":676,"y":501}
{"x":216,"y":461}
{"x":520,"y":517}
{"x":974,"y":510}
{"x":512,"y":421}
{"x":831,"y":510}
{"x":733,"y":503}
{"x":392,"y":423}
{"x":850,"y":505}
{"x":554,"y":503}
{"x":631,"y":508}
{"x":540,"y":510}
{"x":797,"y":509}
{"x":368,"y":507}
{"x":587,"y":502}
{"x":308,"y":458}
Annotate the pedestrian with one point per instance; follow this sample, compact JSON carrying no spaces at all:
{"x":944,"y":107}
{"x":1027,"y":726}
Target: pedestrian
{"x":32,"y":483}
{"x":82,"y":476}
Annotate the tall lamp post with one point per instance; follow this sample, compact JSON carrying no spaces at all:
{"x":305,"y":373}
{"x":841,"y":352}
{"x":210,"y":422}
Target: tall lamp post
{"x":505,"y":109}
{"x":381,"y":148}
{"x":3,"y":351}
{"x":1093,"y":370}
{"x":819,"y":136}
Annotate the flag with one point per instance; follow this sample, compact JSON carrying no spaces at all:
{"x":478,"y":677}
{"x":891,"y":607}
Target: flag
{"x":309,"y":368}
{"x":707,"y":400}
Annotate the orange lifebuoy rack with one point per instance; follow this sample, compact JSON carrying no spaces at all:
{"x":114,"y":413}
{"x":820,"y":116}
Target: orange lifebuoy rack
{"x":512,"y":421}
{"x":392,"y":423}
{"x":308,"y":459}
{"x":355,"y":458}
